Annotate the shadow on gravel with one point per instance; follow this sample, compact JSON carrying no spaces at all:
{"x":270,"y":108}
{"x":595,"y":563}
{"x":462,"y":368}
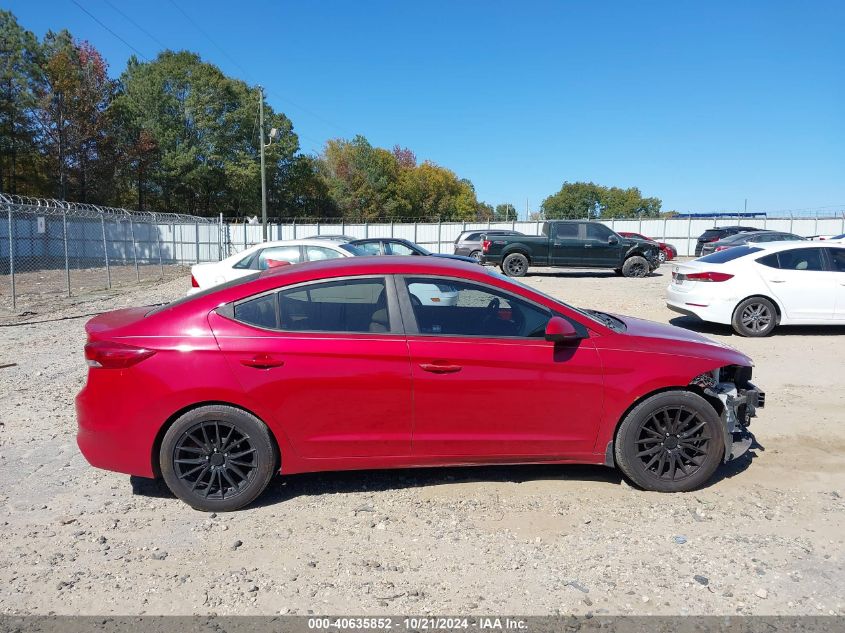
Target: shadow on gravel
{"x":580,"y":274}
{"x":310,"y":484}
{"x":704,"y":327}
{"x":285,"y":488}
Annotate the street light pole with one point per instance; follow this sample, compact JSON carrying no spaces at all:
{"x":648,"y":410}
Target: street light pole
{"x":263,"y":176}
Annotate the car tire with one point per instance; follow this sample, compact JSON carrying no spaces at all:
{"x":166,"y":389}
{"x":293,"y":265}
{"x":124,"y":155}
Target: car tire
{"x":198,"y":464}
{"x":670,"y":442}
{"x":756,"y":316}
{"x":515,"y":265}
{"x":661,"y":257}
{"x":636,"y":266}
{"x":476,"y":255}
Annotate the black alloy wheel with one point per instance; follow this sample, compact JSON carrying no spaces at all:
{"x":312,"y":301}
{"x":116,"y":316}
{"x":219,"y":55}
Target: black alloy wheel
{"x":217,"y":458}
{"x":673,"y":441}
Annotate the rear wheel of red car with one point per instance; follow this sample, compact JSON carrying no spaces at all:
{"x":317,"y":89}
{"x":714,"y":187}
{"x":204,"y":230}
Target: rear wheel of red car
{"x":670,"y":442}
{"x":217,"y":458}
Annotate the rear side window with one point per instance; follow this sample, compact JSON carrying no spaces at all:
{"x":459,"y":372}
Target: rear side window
{"x":801,"y":259}
{"x":355,"y":305}
{"x":797,"y":259}
{"x":260,"y":312}
{"x":720,"y":257}
{"x":566,"y":230}
{"x":713,"y":234}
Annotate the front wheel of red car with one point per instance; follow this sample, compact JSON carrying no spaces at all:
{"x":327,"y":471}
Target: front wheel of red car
{"x":217,"y":458}
{"x":670,"y":442}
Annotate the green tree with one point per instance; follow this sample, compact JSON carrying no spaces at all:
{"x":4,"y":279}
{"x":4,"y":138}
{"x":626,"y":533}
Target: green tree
{"x":505,"y":213}
{"x":19,"y":160}
{"x":195,"y":138}
{"x":575,"y":200}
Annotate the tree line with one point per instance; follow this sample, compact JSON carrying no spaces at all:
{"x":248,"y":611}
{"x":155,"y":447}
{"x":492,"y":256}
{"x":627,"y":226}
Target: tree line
{"x":176,"y":134}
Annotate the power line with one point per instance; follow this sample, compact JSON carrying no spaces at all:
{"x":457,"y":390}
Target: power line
{"x":251,"y":80}
{"x":136,"y":25}
{"x":209,"y":38}
{"x":93,"y":17}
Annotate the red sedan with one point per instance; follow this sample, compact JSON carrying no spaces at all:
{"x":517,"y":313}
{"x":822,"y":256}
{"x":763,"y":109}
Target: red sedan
{"x":337,"y":365}
{"x":667,"y":251}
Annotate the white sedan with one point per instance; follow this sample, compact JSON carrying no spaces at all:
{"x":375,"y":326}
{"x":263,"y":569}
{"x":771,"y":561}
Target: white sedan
{"x":263,"y":256}
{"x":268,"y":254}
{"x":758,"y":287}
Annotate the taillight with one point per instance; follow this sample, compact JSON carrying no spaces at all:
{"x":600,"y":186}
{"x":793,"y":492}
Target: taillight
{"x":194,"y":283}
{"x":485,"y":245}
{"x":110,"y":355}
{"x":710,"y":276}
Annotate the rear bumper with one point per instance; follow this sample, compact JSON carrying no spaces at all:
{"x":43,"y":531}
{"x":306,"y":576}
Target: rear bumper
{"x":108,"y":436}
{"x":706,"y":307}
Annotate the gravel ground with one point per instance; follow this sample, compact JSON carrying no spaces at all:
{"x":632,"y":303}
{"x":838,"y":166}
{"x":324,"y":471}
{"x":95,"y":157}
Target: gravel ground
{"x":764,"y":538}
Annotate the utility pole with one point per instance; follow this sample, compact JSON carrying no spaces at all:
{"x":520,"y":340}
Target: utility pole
{"x":263,"y":176}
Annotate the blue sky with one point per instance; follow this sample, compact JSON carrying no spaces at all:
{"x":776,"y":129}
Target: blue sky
{"x":703,"y":104}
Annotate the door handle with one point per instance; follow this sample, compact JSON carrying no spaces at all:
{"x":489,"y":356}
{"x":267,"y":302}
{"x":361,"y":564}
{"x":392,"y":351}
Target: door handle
{"x":777,"y":281}
{"x":439,"y":368}
{"x":588,"y":245}
{"x":262,"y":361}
{"x":556,"y":244}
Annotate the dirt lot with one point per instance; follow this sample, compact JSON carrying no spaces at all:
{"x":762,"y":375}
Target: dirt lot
{"x":765,"y":538}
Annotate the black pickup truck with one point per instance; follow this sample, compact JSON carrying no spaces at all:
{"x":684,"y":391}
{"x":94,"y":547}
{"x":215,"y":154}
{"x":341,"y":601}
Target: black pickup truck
{"x":571,"y":244}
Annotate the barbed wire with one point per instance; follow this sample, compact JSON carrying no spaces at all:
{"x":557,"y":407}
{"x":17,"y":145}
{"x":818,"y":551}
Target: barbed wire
{"x":52,"y":206}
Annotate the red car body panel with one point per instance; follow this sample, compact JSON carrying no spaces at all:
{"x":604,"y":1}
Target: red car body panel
{"x":667,"y":249}
{"x":348,"y":401}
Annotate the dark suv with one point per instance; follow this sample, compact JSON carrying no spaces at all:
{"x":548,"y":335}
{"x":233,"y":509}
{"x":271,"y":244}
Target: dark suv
{"x":468,"y":243}
{"x":718,"y":233}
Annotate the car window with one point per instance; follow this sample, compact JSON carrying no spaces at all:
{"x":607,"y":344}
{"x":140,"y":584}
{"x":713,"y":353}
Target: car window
{"x":290,"y":254}
{"x":720,"y":257}
{"x":316,"y":253}
{"x":369,"y":248}
{"x":769,"y":260}
{"x":352,"y":305}
{"x":597,"y":232}
{"x":801,"y":259}
{"x":712,"y":234}
{"x":837,"y":257}
{"x":447,"y":307}
{"x":566,"y":230}
{"x":397,"y":248}
{"x":260,"y":311}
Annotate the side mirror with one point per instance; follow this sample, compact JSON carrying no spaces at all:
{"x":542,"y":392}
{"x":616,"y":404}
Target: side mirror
{"x":559,"y":330}
{"x":612,"y":239}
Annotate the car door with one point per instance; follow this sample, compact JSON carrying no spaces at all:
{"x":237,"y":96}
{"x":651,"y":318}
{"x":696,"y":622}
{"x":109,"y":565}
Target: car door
{"x":800,"y":280}
{"x":488,"y":384}
{"x":329,"y":360}
{"x":566,"y":244}
{"x":601,"y":246}
{"x":836,"y":257}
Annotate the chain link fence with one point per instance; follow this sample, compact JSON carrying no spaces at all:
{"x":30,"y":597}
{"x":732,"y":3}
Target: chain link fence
{"x":53,"y":249}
